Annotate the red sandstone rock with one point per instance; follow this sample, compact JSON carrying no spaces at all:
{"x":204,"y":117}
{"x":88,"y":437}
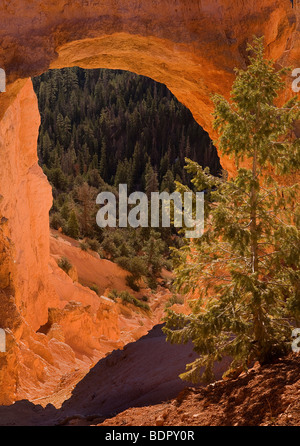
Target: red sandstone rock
{"x":192,"y":46}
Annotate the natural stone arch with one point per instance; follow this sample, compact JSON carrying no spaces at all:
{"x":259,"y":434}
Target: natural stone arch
{"x":191,"y":46}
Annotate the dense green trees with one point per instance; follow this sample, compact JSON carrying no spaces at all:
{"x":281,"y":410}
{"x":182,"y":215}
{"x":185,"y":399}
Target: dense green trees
{"x":100,"y":128}
{"x":246,"y":266}
{"x":115,"y":122}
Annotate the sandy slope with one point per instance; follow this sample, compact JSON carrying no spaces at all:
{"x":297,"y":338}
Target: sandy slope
{"x":90,"y":268}
{"x":144,"y":372}
{"x":85,"y":327}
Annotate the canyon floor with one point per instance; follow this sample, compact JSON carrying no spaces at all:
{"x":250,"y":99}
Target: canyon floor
{"x":266,"y":396}
{"x":139,"y":386}
{"x":130,"y":376}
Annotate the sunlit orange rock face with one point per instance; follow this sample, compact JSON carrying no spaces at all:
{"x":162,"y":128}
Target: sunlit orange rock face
{"x":190,"y":45}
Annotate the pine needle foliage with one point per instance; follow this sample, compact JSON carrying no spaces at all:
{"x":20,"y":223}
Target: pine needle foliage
{"x":244,"y":270}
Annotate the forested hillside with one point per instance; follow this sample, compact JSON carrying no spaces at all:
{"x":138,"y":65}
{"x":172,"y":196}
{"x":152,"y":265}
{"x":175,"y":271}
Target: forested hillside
{"x":100,"y":128}
{"x":113,"y":119}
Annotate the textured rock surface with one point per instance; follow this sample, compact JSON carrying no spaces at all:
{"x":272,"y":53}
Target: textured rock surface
{"x":25,"y":206}
{"x":144,"y":372}
{"x":266,"y":396}
{"x":190,"y":45}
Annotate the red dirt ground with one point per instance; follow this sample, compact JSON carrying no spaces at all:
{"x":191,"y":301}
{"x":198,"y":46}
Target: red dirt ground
{"x":266,"y":396}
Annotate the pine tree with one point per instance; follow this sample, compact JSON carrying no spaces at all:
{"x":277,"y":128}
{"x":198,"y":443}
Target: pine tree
{"x":124,"y":174}
{"x":103,"y":161}
{"x":46,"y":148}
{"x":137,"y":164}
{"x":167,"y":184}
{"x":65,"y":211}
{"x":164,"y":166}
{"x":151,"y":180}
{"x":153,"y":249}
{"x":73,"y":227}
{"x":243,"y":273}
{"x":86,"y":196}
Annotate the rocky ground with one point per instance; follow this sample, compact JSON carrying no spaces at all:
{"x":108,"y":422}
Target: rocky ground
{"x":266,"y":396}
{"x":139,"y":386}
{"x":143,"y":373}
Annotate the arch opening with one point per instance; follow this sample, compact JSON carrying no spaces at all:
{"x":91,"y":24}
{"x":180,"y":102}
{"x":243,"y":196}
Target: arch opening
{"x":192,"y":50}
{"x":101,"y":128}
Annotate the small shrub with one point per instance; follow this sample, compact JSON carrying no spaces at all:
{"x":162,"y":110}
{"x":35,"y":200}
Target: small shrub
{"x":84,"y":246}
{"x":131,"y":282}
{"x":136,"y":266}
{"x":113,"y":295}
{"x":101,"y":253}
{"x":95,"y":288}
{"x":65,"y":264}
{"x":142,"y":305}
{"x":93,"y":244}
{"x":128,"y":298}
{"x":175,"y":299}
{"x":152,"y":283}
{"x":56,"y":221}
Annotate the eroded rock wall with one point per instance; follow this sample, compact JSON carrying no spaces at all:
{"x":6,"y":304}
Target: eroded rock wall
{"x":190,"y":45}
{"x":26,"y":200}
